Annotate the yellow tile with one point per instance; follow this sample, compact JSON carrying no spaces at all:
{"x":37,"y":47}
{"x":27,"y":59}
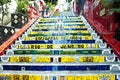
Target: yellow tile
{"x":81,"y":59}
{"x":79,"y":78}
{"x":91,"y":77}
{"x":63,"y":59}
{"x":72,"y":59}
{"x":83,"y":77}
{"x":38,"y":77}
{"x":43,"y":46}
{"x":25,"y":77}
{"x":27,"y":38}
{"x":31,"y":77}
{"x":112,"y":77}
{"x":96,"y":77}
{"x":30,"y":59}
{"x":19,"y":46}
{"x":76,"y":78}
{"x":42,"y":59}
{"x":70,"y":77}
{"x":49,"y":46}
{"x":96,"y":59}
{"x":101,"y":59}
{"x":14,"y":59}
{"x":96,"y":46}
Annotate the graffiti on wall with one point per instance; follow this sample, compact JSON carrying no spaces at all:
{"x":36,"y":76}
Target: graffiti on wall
{"x":96,"y":3}
{"x":102,"y":12}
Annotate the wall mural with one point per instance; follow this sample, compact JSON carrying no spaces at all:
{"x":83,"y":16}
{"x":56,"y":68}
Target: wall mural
{"x":96,"y":3}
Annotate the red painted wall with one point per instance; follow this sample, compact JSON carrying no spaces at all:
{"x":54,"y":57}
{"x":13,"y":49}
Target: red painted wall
{"x":106,"y":22}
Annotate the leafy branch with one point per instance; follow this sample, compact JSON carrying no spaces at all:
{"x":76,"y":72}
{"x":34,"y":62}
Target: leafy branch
{"x":22,"y":6}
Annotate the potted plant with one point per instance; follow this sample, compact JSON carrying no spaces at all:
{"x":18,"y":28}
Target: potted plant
{"x":20,"y":18}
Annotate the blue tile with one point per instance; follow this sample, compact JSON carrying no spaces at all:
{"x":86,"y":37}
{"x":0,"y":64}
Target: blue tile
{"x":56,"y":52}
{"x":54,"y":78}
{"x":38,"y":42}
{"x":11,"y":67}
{"x":54,"y":68}
{"x":61,"y":68}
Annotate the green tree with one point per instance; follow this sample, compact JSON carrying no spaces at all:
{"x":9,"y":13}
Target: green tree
{"x":112,"y":5}
{"x":22,"y":6}
{"x":51,"y":1}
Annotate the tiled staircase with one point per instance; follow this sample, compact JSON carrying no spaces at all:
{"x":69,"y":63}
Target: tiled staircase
{"x":61,"y":47}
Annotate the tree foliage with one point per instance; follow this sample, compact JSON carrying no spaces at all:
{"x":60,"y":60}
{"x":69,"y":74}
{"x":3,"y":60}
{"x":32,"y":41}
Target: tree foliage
{"x":51,"y":1}
{"x":114,"y":5}
{"x":2,"y":2}
{"x":22,"y":6}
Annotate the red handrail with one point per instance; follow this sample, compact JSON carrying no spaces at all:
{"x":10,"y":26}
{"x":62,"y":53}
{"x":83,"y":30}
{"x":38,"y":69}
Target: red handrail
{"x":11,"y":40}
